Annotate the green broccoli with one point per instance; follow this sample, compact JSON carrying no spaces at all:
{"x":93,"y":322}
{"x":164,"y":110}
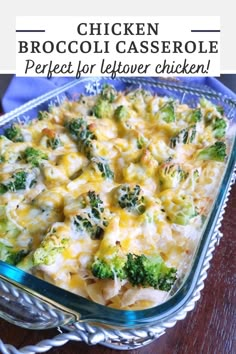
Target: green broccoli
{"x":196,"y":174}
{"x":14,"y":134}
{"x":108,"y":93}
{"x":139,"y":99}
{"x":171,"y":175}
{"x":52,"y":245}
{"x":26,"y":263}
{"x":139,"y":95}
{"x":34,"y":156}
{"x":79,"y":130}
{"x":220,"y":110}
{"x":2,"y":159}
{"x":195,"y":116}
{"x":3,"y":188}
{"x":192,"y":180}
{"x":43,"y":115}
{"x":10,"y":255}
{"x":204,"y":103}
{"x":130,"y":198}
{"x":102,"y":109}
{"x":141,"y":142}
{"x":110,"y":266}
{"x":90,"y":219}
{"x":185,"y":136}
{"x":102,"y":269}
{"x":121,"y":112}
{"x":148,"y":271}
{"x":8,"y":229}
{"x":54,"y":142}
{"x":179,"y":207}
{"x":219,"y":128}
{"x":216,"y":152}
{"x":76,"y":126}
{"x":103,"y":167}
{"x":18,"y":181}
{"x":9,"y":233}
{"x":53,"y":139}
{"x":212,"y":119}
{"x":167,"y":112}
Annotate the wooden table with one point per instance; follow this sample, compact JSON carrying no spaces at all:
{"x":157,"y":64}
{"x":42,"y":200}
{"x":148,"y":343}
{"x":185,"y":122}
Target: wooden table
{"x":209,"y":329}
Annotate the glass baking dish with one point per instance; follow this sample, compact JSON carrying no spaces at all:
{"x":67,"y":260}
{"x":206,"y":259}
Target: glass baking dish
{"x":33,"y":303}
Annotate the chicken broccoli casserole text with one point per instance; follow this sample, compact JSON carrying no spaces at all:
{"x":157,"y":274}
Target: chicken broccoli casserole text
{"x":105,"y":196}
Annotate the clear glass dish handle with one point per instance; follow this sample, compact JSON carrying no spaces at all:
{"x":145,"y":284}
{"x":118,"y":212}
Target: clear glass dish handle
{"x":24,"y":310}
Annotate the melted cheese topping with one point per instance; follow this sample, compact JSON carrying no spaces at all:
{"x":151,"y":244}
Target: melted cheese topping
{"x":139,"y":150}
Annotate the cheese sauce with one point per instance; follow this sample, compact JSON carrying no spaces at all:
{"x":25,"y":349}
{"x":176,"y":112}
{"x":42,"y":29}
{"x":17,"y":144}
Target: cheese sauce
{"x":53,"y":169}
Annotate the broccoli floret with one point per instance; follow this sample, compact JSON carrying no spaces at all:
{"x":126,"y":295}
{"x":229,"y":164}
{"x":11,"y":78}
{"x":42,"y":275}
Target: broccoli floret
{"x":179,"y":207}
{"x":141,"y":142}
{"x":8,"y":229}
{"x":167,"y":112}
{"x":212,"y":115}
{"x":139,"y":95}
{"x":3,"y":188}
{"x":18,"y":181}
{"x":103,"y":109}
{"x":108,"y":93}
{"x":102,"y":270}
{"x":171,"y":175}
{"x":220,"y":109}
{"x":192,"y":180}
{"x":195,"y":116}
{"x":79,"y":130}
{"x":103,"y":167}
{"x":76,"y":126}
{"x":218,"y":125}
{"x":195,"y":175}
{"x":149,"y":271}
{"x":83,"y":224}
{"x":131,"y":198}
{"x":204,"y":103}
{"x":34,"y":156}
{"x":10,"y":255}
{"x":90,"y":220}
{"x":219,"y":128}
{"x":185,"y":136}
{"x":216,"y":152}
{"x":9,"y":232}
{"x":42,"y":115}
{"x":26,"y":263}
{"x":52,"y":245}
{"x":121,"y":112}
{"x":109,"y":267}
{"x":2,"y":159}
{"x":54,"y":142}
{"x":139,"y":99}
{"x":14,"y":134}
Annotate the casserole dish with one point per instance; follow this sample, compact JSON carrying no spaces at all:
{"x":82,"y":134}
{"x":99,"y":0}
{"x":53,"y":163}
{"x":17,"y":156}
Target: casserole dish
{"x":48,"y":306}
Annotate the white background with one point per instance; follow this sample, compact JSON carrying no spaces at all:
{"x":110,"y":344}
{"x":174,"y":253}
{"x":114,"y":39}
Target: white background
{"x":11,"y":8}
{"x":170,"y":29}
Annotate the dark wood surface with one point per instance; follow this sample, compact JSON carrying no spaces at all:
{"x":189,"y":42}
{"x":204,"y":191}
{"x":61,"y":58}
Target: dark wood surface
{"x":209,"y":329}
